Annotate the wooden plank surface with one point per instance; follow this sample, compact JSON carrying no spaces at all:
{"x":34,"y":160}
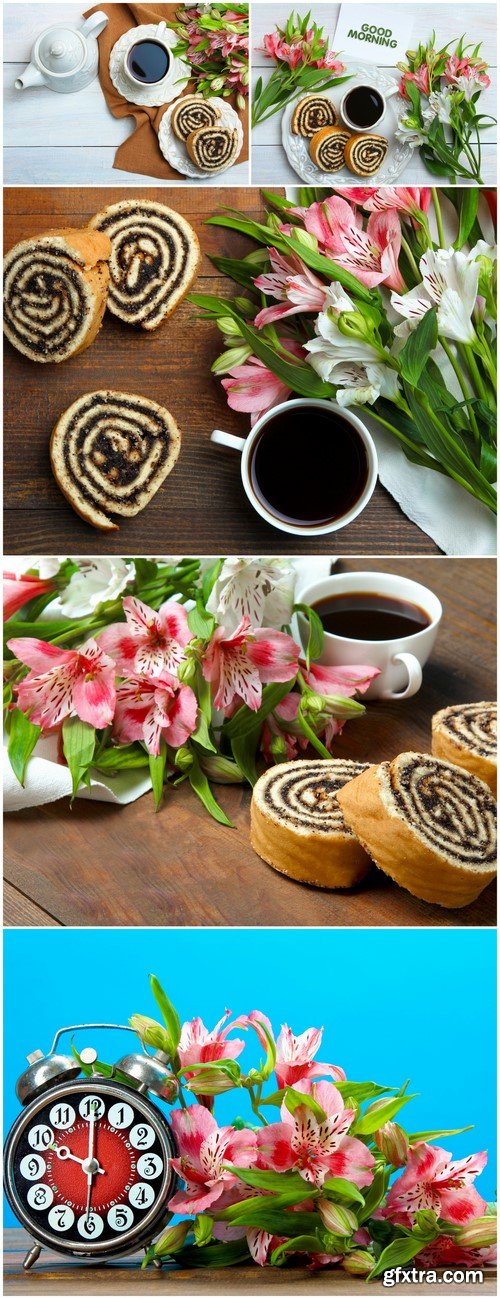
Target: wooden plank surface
{"x":269,"y":161}
{"x":100,"y":864}
{"x":202,"y":508}
{"x":54,"y":1275}
{"x":24,"y":913}
{"x":82,"y":133}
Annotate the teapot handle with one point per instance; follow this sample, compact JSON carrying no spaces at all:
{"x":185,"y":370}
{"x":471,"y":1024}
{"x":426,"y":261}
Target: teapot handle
{"x":95,"y":24}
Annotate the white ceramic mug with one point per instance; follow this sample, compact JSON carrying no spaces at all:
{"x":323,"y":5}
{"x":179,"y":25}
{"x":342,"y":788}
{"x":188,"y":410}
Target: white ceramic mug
{"x":400,"y":660}
{"x":161,"y":38}
{"x":246,"y":445}
{"x":354,"y":126}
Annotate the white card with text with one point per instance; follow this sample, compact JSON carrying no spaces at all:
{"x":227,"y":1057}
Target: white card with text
{"x":366,"y":33}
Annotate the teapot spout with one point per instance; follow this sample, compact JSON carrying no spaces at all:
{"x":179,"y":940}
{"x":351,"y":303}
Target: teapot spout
{"x":30,"y":77}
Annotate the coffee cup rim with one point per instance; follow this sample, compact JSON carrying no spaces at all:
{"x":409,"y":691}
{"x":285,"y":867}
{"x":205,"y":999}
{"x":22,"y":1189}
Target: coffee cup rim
{"x":357,"y":509}
{"x":154,"y":40}
{"x":367,"y":574}
{"x":349,"y":120}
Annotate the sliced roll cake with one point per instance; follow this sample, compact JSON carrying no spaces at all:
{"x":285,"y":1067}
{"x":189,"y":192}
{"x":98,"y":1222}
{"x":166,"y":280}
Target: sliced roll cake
{"x":192,"y":112}
{"x":154,"y":259}
{"x":466,"y":734}
{"x":311,"y":113}
{"x":428,"y":824}
{"x":364,"y":154}
{"x":327,"y":147}
{"x":297,"y":825}
{"x":213,"y":148}
{"x":55,"y":289}
{"x":110,"y":452}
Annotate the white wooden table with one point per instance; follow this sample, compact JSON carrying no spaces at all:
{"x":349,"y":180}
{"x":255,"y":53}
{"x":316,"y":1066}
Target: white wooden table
{"x":53,"y":139}
{"x":450,"y":21}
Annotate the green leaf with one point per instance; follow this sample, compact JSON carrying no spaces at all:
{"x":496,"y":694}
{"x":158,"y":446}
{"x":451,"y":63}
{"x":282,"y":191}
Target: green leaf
{"x":23,"y":736}
{"x":316,"y":635}
{"x":468,"y":205}
{"x":209,"y":579}
{"x":294,"y":1100}
{"x":227,"y":1254}
{"x":419,"y":344}
{"x":167,"y":1009}
{"x":124,"y":757}
{"x":201,"y":787}
{"x":374,"y":1118}
{"x":157,"y":765}
{"x":245,"y":720}
{"x":78,"y":747}
{"x":399,"y":1252}
{"x":202,"y":1229}
{"x":339,"y":1188}
{"x":298,"y":1244}
{"x":267,"y":1180}
{"x":416,"y":1137}
{"x":374,"y":1194}
{"x":264,"y":1211}
{"x":244,"y":749}
{"x":200,"y":622}
{"x":362,"y":1091}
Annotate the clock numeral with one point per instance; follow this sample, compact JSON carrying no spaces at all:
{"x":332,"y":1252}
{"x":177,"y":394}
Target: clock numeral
{"x":40,"y":1138}
{"x":120,"y":1217}
{"x":62,"y":1116}
{"x":91,"y":1105}
{"x":90,"y":1226}
{"x":149,"y":1166}
{"x":32,"y":1167}
{"x":141,"y":1195}
{"x":61,"y":1217}
{"x":121,"y":1115}
{"x":40,"y":1196}
{"x":142,"y":1136}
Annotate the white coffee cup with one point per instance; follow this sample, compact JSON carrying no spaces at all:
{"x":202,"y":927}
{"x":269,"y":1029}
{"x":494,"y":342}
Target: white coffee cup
{"x":161,"y":36}
{"x":400,"y":660}
{"x":354,"y":126}
{"x":246,"y":445}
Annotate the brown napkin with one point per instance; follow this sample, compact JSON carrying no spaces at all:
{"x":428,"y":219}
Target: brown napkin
{"x":141,"y":152}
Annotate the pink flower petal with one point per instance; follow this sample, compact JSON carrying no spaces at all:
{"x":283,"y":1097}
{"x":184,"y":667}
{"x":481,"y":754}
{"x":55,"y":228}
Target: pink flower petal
{"x":39,"y":655}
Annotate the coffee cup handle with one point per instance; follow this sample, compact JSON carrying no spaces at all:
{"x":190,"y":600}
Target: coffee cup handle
{"x":227,"y":440}
{"x":414,"y":671}
{"x":160,"y":30}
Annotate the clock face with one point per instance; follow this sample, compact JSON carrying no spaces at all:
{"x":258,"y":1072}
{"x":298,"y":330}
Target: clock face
{"x":88,"y":1168}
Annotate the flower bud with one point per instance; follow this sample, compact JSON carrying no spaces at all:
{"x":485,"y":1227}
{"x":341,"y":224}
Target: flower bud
{"x":183,"y":759}
{"x":217,"y":84}
{"x":479,"y":1233}
{"x":240,"y":101}
{"x":245,"y":77}
{"x":358,"y":1263}
{"x":228,"y":326}
{"x":278,"y":748}
{"x":186,"y":671}
{"x":151,"y":1033}
{"x":393,"y":1142}
{"x":222,"y":770}
{"x":305,"y":238}
{"x":234,"y":356}
{"x":338,"y":1219}
{"x":353,"y":325}
{"x":312,"y":703}
{"x":173,"y":1239}
{"x":210,"y":1082}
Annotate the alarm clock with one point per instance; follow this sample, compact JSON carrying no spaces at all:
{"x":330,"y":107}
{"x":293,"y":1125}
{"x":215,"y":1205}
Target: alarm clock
{"x":88,"y":1162}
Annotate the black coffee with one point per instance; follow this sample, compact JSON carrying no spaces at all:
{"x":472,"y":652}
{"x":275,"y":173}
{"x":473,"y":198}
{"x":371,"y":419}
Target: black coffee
{"x":148,"y":61}
{"x":308,"y":467}
{"x":367,"y":615}
{"x":364,"y":106}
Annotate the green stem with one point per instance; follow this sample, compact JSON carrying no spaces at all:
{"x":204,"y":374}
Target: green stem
{"x":439,"y":219}
{"x":411,"y":259}
{"x":465,"y":350}
{"x":460,"y":376}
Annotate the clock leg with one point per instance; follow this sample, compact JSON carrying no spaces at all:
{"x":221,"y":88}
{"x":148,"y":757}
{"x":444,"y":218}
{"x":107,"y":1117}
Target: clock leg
{"x":32,"y":1256}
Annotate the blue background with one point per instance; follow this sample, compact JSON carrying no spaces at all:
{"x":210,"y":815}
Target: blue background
{"x":395,"y":1003}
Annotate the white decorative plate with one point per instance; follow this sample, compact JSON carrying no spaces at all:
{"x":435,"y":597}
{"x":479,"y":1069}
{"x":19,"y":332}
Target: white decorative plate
{"x":162,"y":92}
{"x":398,"y":154}
{"x":175,"y":151}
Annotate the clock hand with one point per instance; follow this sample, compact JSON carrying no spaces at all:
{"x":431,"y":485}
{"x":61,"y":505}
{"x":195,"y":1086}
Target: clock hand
{"x":63,"y":1152}
{"x":89,"y":1165}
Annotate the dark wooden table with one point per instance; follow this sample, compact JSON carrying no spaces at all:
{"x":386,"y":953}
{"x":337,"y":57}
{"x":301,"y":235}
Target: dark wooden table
{"x":202,"y":507}
{"x":54,"y":1275}
{"x":104,"y":865}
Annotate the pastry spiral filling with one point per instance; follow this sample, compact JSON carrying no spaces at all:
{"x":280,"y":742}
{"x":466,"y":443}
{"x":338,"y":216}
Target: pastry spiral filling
{"x":327,"y":148}
{"x":366,"y":153}
{"x":213,"y":147}
{"x":312,"y":113}
{"x":153,"y":261}
{"x":474,"y":726}
{"x":448,"y":808}
{"x":46,"y":301}
{"x":192,"y":112}
{"x":302,"y":795}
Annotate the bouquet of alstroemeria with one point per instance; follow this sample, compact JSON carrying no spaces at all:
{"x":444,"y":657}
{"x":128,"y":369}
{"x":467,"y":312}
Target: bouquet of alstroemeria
{"x":128,"y":677}
{"x":312,"y":1171}
{"x":442,"y":118}
{"x":213,"y":38}
{"x":349,"y":296}
{"x":302,"y":62}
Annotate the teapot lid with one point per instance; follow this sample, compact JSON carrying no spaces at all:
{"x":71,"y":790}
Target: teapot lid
{"x":60,"y":50}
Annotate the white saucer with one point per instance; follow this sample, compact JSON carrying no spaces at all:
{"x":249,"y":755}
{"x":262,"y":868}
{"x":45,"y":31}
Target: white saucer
{"x":175,"y":152}
{"x":162,"y":92}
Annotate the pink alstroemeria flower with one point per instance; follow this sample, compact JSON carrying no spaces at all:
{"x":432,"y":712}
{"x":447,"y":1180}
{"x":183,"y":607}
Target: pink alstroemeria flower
{"x":372,"y":254}
{"x":204,"y":1149}
{"x":293,"y":284}
{"x":475,"y":71}
{"x":317,"y":1149}
{"x":154,"y":710}
{"x":253,"y":388}
{"x":447,"y":1252}
{"x":295,"y":1061}
{"x":238,"y":665}
{"x":432,"y":1180}
{"x":149,"y":642}
{"x":199,"y":1044}
{"x":420,"y":78}
{"x":409,"y":200}
{"x":18,"y":590}
{"x":64,"y":681}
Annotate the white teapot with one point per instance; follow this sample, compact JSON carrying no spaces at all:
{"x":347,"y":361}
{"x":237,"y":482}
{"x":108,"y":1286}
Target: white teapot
{"x":65,"y":57}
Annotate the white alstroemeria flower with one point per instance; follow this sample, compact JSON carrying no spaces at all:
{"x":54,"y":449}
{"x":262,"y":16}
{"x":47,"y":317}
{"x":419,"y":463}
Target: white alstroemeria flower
{"x":468,"y":85}
{"x":439,"y":104}
{"x":259,"y":589}
{"x":482,"y":249}
{"x":46,"y":565}
{"x":449,"y":282}
{"x":97,"y":580}
{"x":332,"y":348}
{"x":337,"y":300}
{"x":409,"y":135}
{"x":360,"y":385}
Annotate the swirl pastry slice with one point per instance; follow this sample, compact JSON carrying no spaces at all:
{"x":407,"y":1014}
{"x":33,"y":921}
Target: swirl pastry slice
{"x":466,"y":734}
{"x":213,"y":148}
{"x":428,"y":824}
{"x":311,"y":113}
{"x":297,"y":825}
{"x":154,"y":259}
{"x":110,"y":452}
{"x":55,"y":289}
{"x":364,"y":154}
{"x":192,"y":112}
{"x":327,"y":147}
